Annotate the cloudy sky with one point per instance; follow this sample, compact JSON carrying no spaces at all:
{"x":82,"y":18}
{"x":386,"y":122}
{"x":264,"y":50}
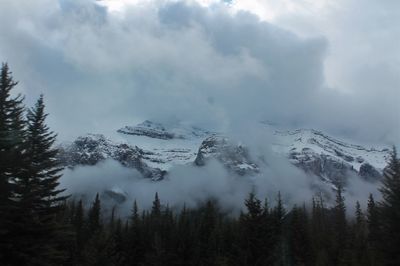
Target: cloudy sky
{"x":331,"y":65}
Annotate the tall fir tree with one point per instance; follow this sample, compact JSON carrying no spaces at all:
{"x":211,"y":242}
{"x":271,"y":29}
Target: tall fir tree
{"x":78,"y":223}
{"x":319,"y":227}
{"x":207,"y":242}
{"x":374,"y":231}
{"x":390,"y":211}
{"x":339,"y":251}
{"x":278,"y":216}
{"x":12,"y":164}
{"x":40,"y":184}
{"x":135,"y":240}
{"x":359,"y":254}
{"x":299,"y":241}
{"x":11,"y":136}
{"x":39,"y":197}
{"x":94,"y":221}
{"x":156,"y":208}
{"x":252,"y":227}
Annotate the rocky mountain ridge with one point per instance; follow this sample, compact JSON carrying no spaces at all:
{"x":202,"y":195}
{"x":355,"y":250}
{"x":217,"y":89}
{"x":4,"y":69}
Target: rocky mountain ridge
{"x":153,"y":148}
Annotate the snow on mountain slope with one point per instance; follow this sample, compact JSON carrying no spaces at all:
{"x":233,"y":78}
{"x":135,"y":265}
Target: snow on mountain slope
{"x":94,"y":148}
{"x":153,"y":148}
{"x":164,"y":146}
{"x":328,"y":157}
{"x":233,"y":156}
{"x":176,"y":130}
{"x":302,"y":139}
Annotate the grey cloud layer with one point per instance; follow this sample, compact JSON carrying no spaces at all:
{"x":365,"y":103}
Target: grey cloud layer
{"x":363,"y":60}
{"x":166,"y":60}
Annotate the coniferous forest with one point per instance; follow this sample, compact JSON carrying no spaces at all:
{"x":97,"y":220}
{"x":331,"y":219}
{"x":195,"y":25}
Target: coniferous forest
{"x":39,"y":225}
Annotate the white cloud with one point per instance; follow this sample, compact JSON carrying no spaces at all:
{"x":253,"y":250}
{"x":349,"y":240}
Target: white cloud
{"x":207,"y":64}
{"x":189,"y":185}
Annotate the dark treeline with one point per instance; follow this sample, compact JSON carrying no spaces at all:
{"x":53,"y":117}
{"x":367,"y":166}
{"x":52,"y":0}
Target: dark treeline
{"x":38,"y":226}
{"x":205,"y":235}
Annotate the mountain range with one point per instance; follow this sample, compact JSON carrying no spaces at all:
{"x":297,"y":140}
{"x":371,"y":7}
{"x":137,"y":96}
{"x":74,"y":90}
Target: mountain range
{"x":153,"y":148}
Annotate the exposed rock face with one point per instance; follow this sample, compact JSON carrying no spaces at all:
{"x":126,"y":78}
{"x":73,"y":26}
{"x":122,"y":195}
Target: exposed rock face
{"x":332,"y":160}
{"x":158,"y":131}
{"x":162,"y":147}
{"x":233,"y":156}
{"x":148,"y":129}
{"x":324,"y":166}
{"x":369,"y":173}
{"x":94,"y":148}
{"x":165,"y":146}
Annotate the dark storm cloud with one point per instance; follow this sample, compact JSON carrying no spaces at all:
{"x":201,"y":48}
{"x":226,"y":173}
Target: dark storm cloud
{"x":163,"y":60}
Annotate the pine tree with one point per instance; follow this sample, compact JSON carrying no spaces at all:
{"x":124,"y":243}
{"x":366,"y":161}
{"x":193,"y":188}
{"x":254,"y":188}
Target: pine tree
{"x":185,"y":238}
{"x":94,"y":214}
{"x":39,"y":198}
{"x":390,"y":211}
{"x":119,"y":244}
{"x":156,"y":208}
{"x":135,"y":245}
{"x":299,"y":237}
{"x":279,"y":213}
{"x":374,"y":232}
{"x":97,"y":246}
{"x":156,"y":248}
{"x":278,"y":217}
{"x":135,"y":218}
{"x":12,"y":134}
{"x":339,"y":251}
{"x":40,"y":185}
{"x":78,"y":222}
{"x":155,"y":219}
{"x":320,"y":232}
{"x":359,"y":241}
{"x":207,"y":242}
{"x":252,"y":225}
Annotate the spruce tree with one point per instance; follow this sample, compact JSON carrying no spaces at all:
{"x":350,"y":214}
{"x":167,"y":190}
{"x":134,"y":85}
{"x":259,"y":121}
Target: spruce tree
{"x":279,"y":213}
{"x":299,"y":237}
{"x":135,"y":217}
{"x":156,"y":208}
{"x":278,"y":217}
{"x":320,"y":240}
{"x":155,"y":216}
{"x":374,"y":232}
{"x":339,"y":228}
{"x":39,"y":198}
{"x":359,"y":241}
{"x":390,"y":211}
{"x":207,"y":242}
{"x":94,"y":214}
{"x":134,"y":239}
{"x":252,"y":225}
{"x":12,"y":133}
{"x":78,"y":222}
{"x":185,"y":237}
{"x":40,"y":183}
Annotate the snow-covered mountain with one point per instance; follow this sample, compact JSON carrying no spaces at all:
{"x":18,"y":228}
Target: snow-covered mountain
{"x":153,"y":148}
{"x":329,"y":158}
{"x":164,"y":145}
{"x":174,"y":130}
{"x":94,"y":148}
{"x":235,"y":157}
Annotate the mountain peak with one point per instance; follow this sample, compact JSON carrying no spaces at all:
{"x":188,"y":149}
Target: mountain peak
{"x":164,"y":145}
{"x":156,"y":130}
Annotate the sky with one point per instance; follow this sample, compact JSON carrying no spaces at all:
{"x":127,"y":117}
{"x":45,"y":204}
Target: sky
{"x":329,"y":65}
